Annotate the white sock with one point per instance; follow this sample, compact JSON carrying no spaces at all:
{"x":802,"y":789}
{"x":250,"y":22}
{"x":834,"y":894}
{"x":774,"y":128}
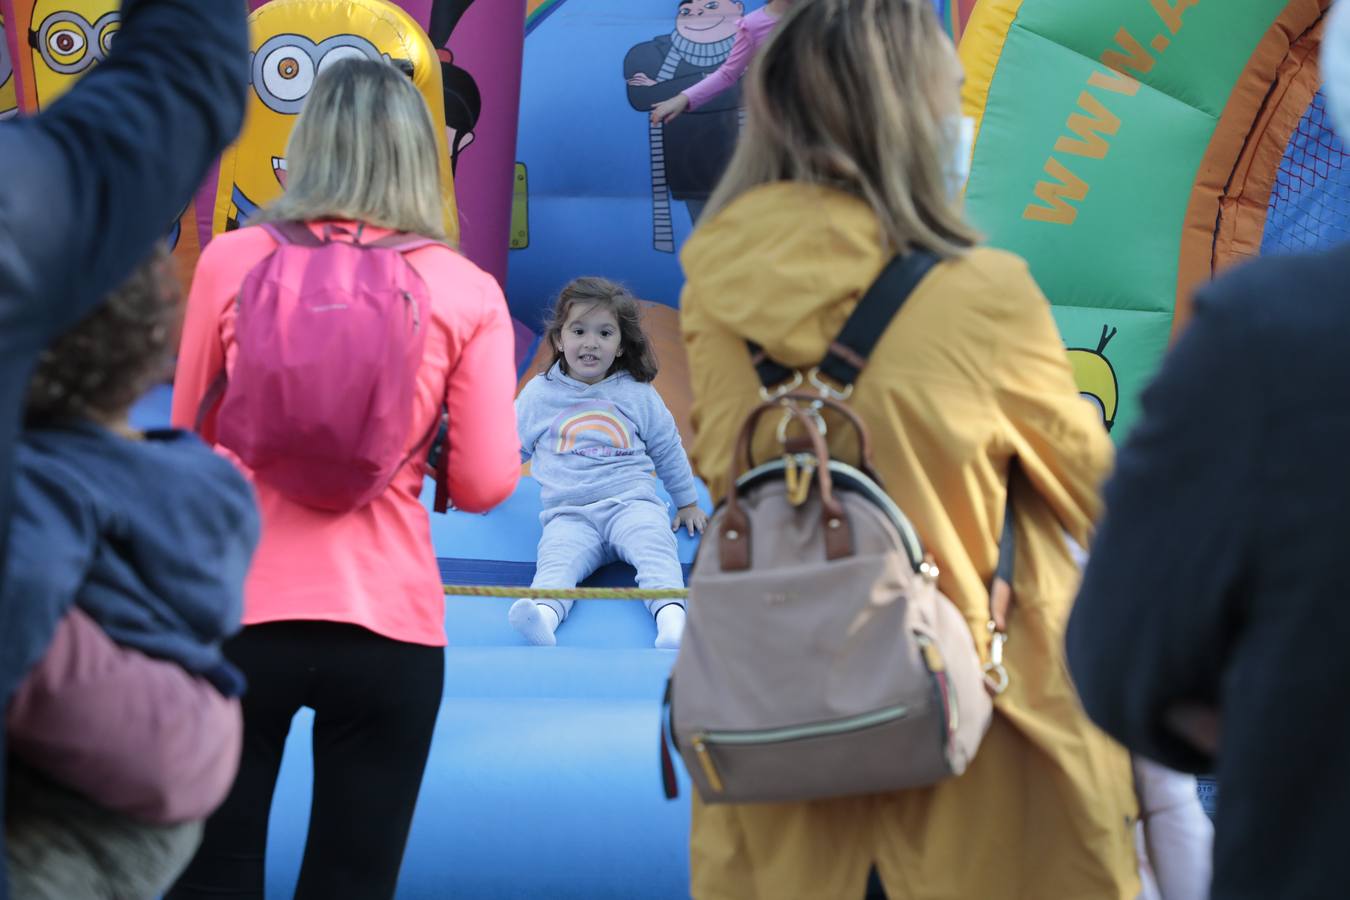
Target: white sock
{"x":669,"y":626}
{"x":536,"y":621}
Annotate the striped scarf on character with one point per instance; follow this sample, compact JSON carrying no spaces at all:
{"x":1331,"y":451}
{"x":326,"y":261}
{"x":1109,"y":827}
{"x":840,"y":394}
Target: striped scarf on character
{"x":704,"y":56}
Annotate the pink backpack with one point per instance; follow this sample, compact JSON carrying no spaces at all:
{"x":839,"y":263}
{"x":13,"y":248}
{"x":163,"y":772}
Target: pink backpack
{"x":329,"y":336}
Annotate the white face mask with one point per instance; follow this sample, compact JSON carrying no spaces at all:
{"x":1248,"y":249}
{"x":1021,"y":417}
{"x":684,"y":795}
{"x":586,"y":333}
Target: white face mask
{"x":1336,"y":67}
{"x":961,"y":140}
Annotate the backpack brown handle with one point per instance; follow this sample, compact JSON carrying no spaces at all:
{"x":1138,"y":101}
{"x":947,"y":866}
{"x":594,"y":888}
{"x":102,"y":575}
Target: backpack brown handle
{"x":734,"y":538}
{"x":743,"y":450}
{"x":866,"y":462}
{"x":744,"y":445}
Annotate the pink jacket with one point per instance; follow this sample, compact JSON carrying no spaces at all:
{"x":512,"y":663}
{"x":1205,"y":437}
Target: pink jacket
{"x":136,"y":735}
{"x":750,"y":34}
{"x":374,"y":567}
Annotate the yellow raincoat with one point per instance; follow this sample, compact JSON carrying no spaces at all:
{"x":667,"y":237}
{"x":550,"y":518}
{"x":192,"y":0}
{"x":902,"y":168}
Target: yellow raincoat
{"x":970,"y":375}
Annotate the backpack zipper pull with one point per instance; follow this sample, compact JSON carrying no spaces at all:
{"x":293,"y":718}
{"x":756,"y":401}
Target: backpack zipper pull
{"x":932,"y":658}
{"x":705,"y":760}
{"x":797,"y":478}
{"x":416,"y":313}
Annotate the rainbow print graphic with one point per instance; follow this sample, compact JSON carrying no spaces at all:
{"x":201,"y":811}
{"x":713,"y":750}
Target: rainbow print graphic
{"x":536,"y":11}
{"x":589,"y":430}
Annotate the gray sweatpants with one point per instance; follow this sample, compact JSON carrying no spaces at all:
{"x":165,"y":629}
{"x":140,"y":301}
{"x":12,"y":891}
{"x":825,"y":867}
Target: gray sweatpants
{"x":577,"y":540}
{"x":60,"y":846}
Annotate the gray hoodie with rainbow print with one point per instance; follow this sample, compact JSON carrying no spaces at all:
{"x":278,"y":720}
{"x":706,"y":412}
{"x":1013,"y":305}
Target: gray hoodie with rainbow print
{"x":603,"y":441}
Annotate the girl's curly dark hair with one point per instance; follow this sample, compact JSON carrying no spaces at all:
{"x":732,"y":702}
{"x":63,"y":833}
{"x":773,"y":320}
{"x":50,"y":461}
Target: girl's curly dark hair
{"x":638,"y":358}
{"x":99,"y":368}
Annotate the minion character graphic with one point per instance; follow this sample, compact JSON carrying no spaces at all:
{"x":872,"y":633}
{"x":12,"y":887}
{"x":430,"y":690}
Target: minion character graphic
{"x":1096,"y":378}
{"x":292,"y":41}
{"x":67,"y":38}
{"x":9,"y":98}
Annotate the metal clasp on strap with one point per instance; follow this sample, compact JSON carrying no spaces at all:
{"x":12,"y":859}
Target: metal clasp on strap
{"x":814,"y":378}
{"x":779,"y":391}
{"x":995,"y":674}
{"x":813,"y":411}
{"x":825,"y":390}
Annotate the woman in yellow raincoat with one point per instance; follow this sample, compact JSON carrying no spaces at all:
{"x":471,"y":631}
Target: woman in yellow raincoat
{"x":841,"y":165}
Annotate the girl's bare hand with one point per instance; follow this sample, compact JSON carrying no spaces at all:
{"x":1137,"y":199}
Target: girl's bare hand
{"x":690,"y":517}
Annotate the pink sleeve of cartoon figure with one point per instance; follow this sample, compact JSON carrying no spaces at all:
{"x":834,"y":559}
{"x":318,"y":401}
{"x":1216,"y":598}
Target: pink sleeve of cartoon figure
{"x":752,"y":32}
{"x":484,"y":445}
{"x":727,"y":74}
{"x":136,"y":735}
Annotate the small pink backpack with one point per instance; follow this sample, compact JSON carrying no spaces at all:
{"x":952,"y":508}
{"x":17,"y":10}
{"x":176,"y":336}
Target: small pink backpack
{"x":329,"y":334}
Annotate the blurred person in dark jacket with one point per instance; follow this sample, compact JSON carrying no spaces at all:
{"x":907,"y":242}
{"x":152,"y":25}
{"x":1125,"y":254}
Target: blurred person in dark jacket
{"x":95,"y":179}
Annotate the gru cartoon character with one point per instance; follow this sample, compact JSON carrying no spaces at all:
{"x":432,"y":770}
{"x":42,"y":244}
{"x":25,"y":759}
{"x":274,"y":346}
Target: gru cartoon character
{"x":9,"y":98}
{"x":1096,"y":378}
{"x":689,"y":153}
{"x":67,"y":38}
{"x":291,"y":42}
{"x":463,"y":102}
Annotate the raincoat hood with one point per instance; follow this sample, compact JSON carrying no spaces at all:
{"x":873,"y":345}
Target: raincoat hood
{"x":783,"y":262}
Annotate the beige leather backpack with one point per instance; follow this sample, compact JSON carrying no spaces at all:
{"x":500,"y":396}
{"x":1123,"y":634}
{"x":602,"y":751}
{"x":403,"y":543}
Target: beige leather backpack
{"x":819,"y":658}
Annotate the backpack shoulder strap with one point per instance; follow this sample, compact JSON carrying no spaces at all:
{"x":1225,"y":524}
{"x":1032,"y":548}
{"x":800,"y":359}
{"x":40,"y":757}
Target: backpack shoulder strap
{"x":404,"y":242}
{"x":1007,"y":543}
{"x":297,"y":233}
{"x":850,"y":351}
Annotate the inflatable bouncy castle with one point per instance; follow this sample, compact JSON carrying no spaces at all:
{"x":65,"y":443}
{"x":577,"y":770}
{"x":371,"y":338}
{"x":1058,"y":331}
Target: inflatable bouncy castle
{"x":1129,"y":149}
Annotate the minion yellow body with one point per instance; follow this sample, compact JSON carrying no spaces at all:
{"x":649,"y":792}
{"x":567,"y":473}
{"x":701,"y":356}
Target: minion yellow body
{"x":291,"y":42}
{"x":1096,"y":378}
{"x":67,"y":38}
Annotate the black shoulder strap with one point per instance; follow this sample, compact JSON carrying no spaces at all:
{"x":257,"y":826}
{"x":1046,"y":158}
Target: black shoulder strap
{"x":1007,"y":544}
{"x":850,"y":351}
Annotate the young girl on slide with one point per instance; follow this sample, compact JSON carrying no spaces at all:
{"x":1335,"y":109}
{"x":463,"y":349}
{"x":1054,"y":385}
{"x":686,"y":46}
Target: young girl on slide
{"x":597,"y":431}
{"x":750,"y":34}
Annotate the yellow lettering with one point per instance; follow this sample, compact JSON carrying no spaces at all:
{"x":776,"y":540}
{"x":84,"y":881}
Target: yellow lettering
{"x":1089,"y":128}
{"x":1134,"y":59}
{"x":1055,"y":196}
{"x":1170,"y":12}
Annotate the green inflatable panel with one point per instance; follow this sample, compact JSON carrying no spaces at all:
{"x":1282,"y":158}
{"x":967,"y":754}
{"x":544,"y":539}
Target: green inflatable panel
{"x":1094,"y":119}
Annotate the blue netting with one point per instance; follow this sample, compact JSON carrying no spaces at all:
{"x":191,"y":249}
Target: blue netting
{"x":1310,"y":204}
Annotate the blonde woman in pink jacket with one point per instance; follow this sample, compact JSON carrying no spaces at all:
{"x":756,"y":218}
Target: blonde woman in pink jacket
{"x":344,"y":611}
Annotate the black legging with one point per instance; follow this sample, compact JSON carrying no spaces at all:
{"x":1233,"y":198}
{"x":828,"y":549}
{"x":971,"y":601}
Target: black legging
{"x":375,"y":702}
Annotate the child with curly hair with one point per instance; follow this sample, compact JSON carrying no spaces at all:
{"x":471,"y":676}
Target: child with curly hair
{"x":129,"y":551}
{"x":597,"y":432}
